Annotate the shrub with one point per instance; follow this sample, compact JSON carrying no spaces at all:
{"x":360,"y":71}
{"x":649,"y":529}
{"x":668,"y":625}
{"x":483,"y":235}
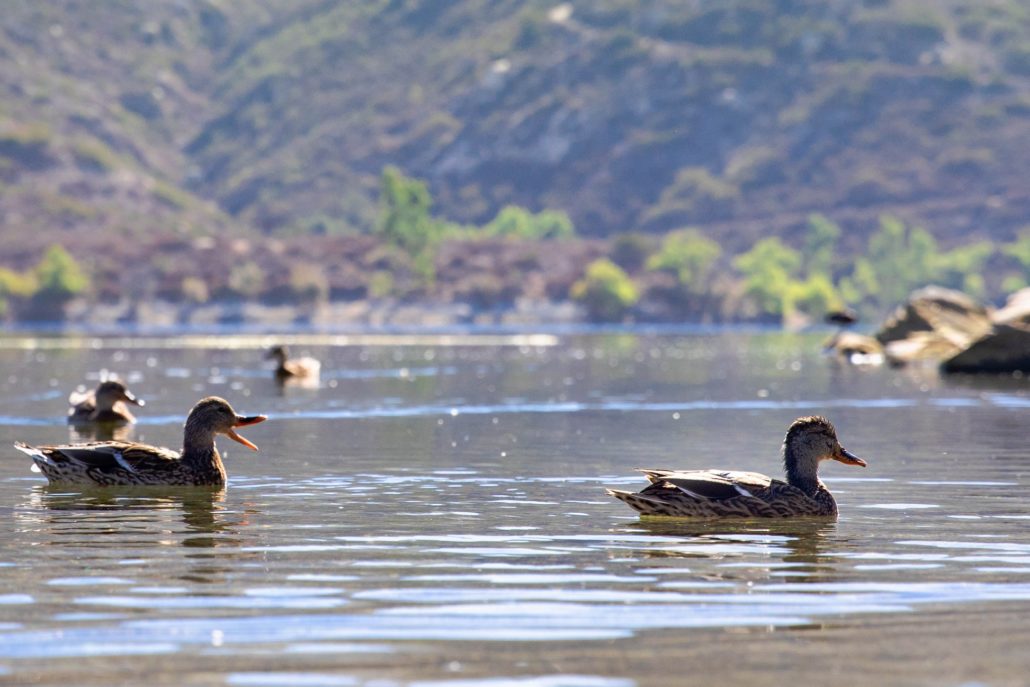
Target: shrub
{"x":308,"y":283}
{"x":768,"y":270}
{"x":59,"y":276}
{"x":606,"y":291}
{"x":380,"y":284}
{"x":246,"y":280}
{"x":194,"y":290}
{"x":689,"y":255}
{"x":516,"y":221}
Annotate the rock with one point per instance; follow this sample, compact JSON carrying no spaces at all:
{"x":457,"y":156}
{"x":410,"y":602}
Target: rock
{"x":1016,"y":311}
{"x":1005,"y":349}
{"x":933,"y":324}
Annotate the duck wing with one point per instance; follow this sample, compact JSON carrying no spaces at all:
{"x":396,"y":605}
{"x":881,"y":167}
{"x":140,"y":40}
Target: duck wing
{"x":715,"y":485}
{"x":83,"y":403}
{"x":102,"y":458}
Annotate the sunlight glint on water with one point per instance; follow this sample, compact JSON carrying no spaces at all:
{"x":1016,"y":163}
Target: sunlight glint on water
{"x":437,"y":500}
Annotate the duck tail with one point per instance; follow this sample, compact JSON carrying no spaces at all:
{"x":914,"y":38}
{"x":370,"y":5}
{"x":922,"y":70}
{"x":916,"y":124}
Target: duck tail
{"x":639,"y":502}
{"x":39,"y":458}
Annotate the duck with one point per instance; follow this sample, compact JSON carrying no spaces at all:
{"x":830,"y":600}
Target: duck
{"x":734,"y":494}
{"x":122,"y":463}
{"x":857,"y":349}
{"x":305,"y":367}
{"x":103,"y":405}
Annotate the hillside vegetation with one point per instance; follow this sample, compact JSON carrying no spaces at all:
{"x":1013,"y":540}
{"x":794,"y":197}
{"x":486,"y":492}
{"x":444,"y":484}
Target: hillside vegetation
{"x":125,"y":127}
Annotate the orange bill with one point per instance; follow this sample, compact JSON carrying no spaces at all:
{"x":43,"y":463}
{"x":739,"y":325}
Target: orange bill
{"x":243,"y":422}
{"x":848,"y":458}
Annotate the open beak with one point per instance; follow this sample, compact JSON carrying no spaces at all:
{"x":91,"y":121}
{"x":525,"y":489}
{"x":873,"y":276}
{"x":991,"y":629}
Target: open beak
{"x":848,"y":458}
{"x":132,"y":399}
{"x":243,"y":422}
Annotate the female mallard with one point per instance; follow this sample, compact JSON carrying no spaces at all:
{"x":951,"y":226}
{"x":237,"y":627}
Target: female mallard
{"x":296,"y":368}
{"x":105,"y":463}
{"x":103,"y":405}
{"x":728,"y":494}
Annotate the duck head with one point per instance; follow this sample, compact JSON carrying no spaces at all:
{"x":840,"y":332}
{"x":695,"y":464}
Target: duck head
{"x":113,"y":391}
{"x":212,"y":416}
{"x":809,"y":441}
{"x":277,"y":353}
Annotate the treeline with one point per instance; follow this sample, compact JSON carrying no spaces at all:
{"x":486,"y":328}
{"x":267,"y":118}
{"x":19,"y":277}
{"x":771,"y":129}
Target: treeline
{"x":687,"y":275}
{"x":774,"y":281}
{"x":413,"y":256}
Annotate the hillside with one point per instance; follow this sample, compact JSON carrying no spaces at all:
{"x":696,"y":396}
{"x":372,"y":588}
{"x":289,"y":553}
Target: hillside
{"x":125,"y":124}
{"x":741,"y":115}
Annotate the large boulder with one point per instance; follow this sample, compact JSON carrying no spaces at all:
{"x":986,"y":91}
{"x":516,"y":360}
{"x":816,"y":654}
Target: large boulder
{"x":1004,"y":349}
{"x":935,"y":323}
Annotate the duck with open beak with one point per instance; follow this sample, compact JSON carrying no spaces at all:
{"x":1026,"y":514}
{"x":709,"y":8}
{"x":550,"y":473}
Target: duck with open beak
{"x":126,"y":463}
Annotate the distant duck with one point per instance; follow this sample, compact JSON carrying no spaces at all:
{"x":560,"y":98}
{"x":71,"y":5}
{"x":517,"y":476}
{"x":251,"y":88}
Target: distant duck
{"x":286,"y":368}
{"x":103,"y":405}
{"x":857,"y":349}
{"x":125,"y":463}
{"x":730,"y":494}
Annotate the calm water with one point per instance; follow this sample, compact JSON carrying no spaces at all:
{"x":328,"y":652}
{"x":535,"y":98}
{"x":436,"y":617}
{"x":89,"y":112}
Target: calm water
{"x":433,"y":514}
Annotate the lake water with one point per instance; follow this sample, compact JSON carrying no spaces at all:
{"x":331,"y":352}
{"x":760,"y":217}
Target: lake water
{"x":433,"y":514}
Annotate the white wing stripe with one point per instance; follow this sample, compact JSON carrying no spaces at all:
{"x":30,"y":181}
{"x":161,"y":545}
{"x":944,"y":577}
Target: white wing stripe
{"x":120,"y":459}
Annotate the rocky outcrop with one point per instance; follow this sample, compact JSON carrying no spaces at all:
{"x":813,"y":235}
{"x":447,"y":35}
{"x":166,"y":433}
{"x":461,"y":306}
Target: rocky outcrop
{"x":1005,"y":348}
{"x":935,"y":323}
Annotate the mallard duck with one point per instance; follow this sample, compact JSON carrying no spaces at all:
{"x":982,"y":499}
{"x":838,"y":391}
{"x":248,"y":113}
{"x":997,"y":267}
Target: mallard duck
{"x":298,"y":367}
{"x":124,"y":463}
{"x":726,"y":494}
{"x":103,"y":405}
{"x":857,"y":349}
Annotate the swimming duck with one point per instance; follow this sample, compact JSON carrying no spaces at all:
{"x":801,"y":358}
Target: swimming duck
{"x":298,"y":367}
{"x":729,"y":494}
{"x":103,"y":405}
{"x":857,"y":349}
{"x":125,"y":463}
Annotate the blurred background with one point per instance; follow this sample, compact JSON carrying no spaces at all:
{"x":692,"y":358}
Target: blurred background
{"x":403,"y":162}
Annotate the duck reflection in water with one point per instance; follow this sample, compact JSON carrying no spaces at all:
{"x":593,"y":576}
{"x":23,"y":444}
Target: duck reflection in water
{"x":794,"y":549}
{"x":142,"y":519}
{"x":95,"y":512}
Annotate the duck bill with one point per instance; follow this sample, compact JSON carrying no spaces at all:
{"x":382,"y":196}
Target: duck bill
{"x":848,"y":458}
{"x":243,"y":422}
{"x":127,"y":396}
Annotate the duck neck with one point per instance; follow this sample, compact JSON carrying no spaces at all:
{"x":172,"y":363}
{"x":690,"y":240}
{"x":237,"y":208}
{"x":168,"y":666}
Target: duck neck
{"x":104,"y":403}
{"x":198,"y":447}
{"x":802,"y":472}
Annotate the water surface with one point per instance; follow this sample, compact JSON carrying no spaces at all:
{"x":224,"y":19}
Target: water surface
{"x":433,"y":514}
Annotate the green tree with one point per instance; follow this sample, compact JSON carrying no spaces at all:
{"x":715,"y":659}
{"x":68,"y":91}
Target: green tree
{"x":1019,"y":250}
{"x":606,"y":291}
{"x":16,"y":285}
{"x":689,"y":255}
{"x":900,"y":259}
{"x":59,"y":276}
{"x":769,"y":269}
{"x":820,"y":243}
{"x":404,"y":220}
